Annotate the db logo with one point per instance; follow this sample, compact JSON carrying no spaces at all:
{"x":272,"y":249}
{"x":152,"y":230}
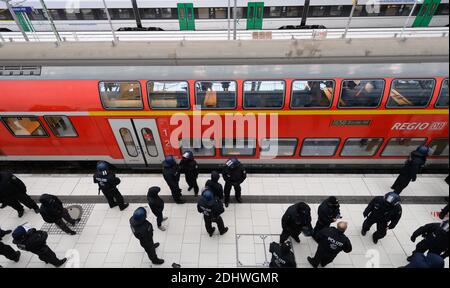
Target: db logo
{"x":419,"y":126}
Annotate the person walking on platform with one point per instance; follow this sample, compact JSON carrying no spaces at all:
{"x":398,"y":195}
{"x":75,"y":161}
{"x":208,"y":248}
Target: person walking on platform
{"x":7,"y":250}
{"x":35,"y":241}
{"x":412,"y":167}
{"x":214,"y":185}
{"x":107,"y":183}
{"x":296,"y":220}
{"x":211,"y":208}
{"x":143,"y":231}
{"x":429,"y":261}
{"x":331,"y":242}
{"x":282,"y":255}
{"x":171,"y":173}
{"x":13,"y":193}
{"x":189,"y":167}
{"x":53,"y":211}
{"x":385,"y":212}
{"x":328,"y":212}
{"x":234,"y":175}
{"x":435,"y":239}
{"x":157,"y":206}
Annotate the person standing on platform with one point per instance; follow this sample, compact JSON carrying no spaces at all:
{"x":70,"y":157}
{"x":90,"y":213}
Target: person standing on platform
{"x":13,"y":193}
{"x":107,"y":183}
{"x":214,"y":185}
{"x":429,"y":261}
{"x":296,"y":220}
{"x":328,"y":212}
{"x":412,"y":167}
{"x":171,"y":173}
{"x":157,"y":206}
{"x":53,"y":211}
{"x":143,"y":231}
{"x":331,"y":242}
{"x":435,"y":239}
{"x":234,"y":175}
{"x":211,"y":208}
{"x":385,"y":212}
{"x":282,"y":255}
{"x":189,"y":167}
{"x":35,"y":241}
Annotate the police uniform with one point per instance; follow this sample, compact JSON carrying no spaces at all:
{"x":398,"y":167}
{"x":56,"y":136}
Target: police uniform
{"x":53,"y":211}
{"x":171,"y":173}
{"x":9,"y":252}
{"x":435,"y":239}
{"x":234,"y":175}
{"x":107,"y":183}
{"x":214,"y":186}
{"x":13,"y":193}
{"x":410,"y":170}
{"x":211,"y":208}
{"x":296,"y":220}
{"x":328,"y":212}
{"x":331,"y":242}
{"x":156,"y":204}
{"x":189,"y":167}
{"x":282,"y":257}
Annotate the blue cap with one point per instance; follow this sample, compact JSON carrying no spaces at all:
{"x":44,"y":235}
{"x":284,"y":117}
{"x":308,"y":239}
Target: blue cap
{"x":19,"y":232}
{"x":207,"y":195}
{"x":424,"y":150}
{"x":102,"y":166}
{"x":140,"y":214}
{"x":170,"y":160}
{"x":392,"y":198}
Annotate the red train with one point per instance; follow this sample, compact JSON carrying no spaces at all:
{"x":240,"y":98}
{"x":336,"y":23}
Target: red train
{"x":333,"y":115}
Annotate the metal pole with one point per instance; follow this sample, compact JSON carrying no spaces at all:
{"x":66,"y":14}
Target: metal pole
{"x":355,"y":2}
{"x":229,"y":19}
{"x":409,"y":17}
{"x":110,"y":23}
{"x":13,"y":14}
{"x":50,"y":19}
{"x":235,"y":20}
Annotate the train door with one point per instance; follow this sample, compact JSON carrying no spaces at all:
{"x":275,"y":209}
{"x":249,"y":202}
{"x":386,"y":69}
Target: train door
{"x":255,"y":14}
{"x":426,"y":13}
{"x":186,"y":16}
{"x":138,"y":140}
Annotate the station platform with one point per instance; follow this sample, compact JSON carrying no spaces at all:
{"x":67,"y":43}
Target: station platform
{"x":105,"y":238}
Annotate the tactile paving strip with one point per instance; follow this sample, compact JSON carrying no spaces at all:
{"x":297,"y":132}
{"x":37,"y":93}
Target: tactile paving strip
{"x":52,"y":229}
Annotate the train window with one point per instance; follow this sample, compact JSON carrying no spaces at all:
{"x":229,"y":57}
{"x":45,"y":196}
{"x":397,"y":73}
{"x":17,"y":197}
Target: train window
{"x":397,"y":10}
{"x":158,"y":13}
{"x":273,"y":12}
{"x":5,"y":15}
{"x":294,"y":11}
{"x":25,"y":126}
{"x":361,"y":93}
{"x":361,"y":146}
{"x":164,"y":95}
{"x":37,"y":15}
{"x":318,"y":11}
{"x":443,"y":96}
{"x":443,"y":9}
{"x":278,"y":147}
{"x":239,"y":147}
{"x":340,"y":11}
{"x":312,"y":94}
{"x":73,"y":14}
{"x":410,"y":93}
{"x":216,"y":95}
{"x":122,"y":14}
{"x":88,"y":14}
{"x":402,"y":146}
{"x":220,"y":13}
{"x":439,"y":146}
{"x":240,"y":12}
{"x":150,"y":143}
{"x":127,"y":139}
{"x":319,"y":146}
{"x":203,"y":13}
{"x":264,"y":94}
{"x":57,"y":14}
{"x":61,"y":126}
{"x":200,"y":147}
{"x":121,"y":95}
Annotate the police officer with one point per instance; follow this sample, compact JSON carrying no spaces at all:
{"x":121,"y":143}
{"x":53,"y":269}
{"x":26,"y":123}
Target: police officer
{"x":7,"y":250}
{"x":412,"y":167}
{"x":107,"y":183}
{"x":35,"y":241}
{"x":53,"y":211}
{"x":282,"y":255}
{"x":189,"y":167}
{"x":385,"y":212}
{"x":331,"y":242}
{"x":157,"y":206}
{"x":13,"y":192}
{"x":435,"y":239}
{"x":3,"y":233}
{"x":171,"y":173}
{"x":214,"y":185}
{"x":143,"y":231}
{"x":328,"y":212}
{"x":429,"y":261}
{"x":296,"y":220}
{"x":234,"y":175}
{"x":211,"y":208}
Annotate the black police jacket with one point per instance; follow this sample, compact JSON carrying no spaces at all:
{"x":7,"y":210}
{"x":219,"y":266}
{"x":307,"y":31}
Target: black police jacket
{"x":34,"y":241}
{"x":106,"y":182}
{"x":380,"y":211}
{"x":235,"y":176}
{"x":216,"y":188}
{"x":280,"y":260}
{"x":143,"y":231}
{"x":212,"y":209}
{"x":333,"y":241}
{"x":327,"y":214}
{"x":155,"y":202}
{"x":51,"y":208}
{"x":172,"y":174}
{"x":294,"y":221}
{"x":435,"y":237}
{"x":10,"y":185}
{"x":413,"y":165}
{"x":189,"y":167}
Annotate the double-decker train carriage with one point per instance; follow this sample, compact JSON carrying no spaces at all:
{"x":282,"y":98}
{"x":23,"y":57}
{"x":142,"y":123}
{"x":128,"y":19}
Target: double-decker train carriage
{"x":89,"y":15}
{"x":330,"y":103}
